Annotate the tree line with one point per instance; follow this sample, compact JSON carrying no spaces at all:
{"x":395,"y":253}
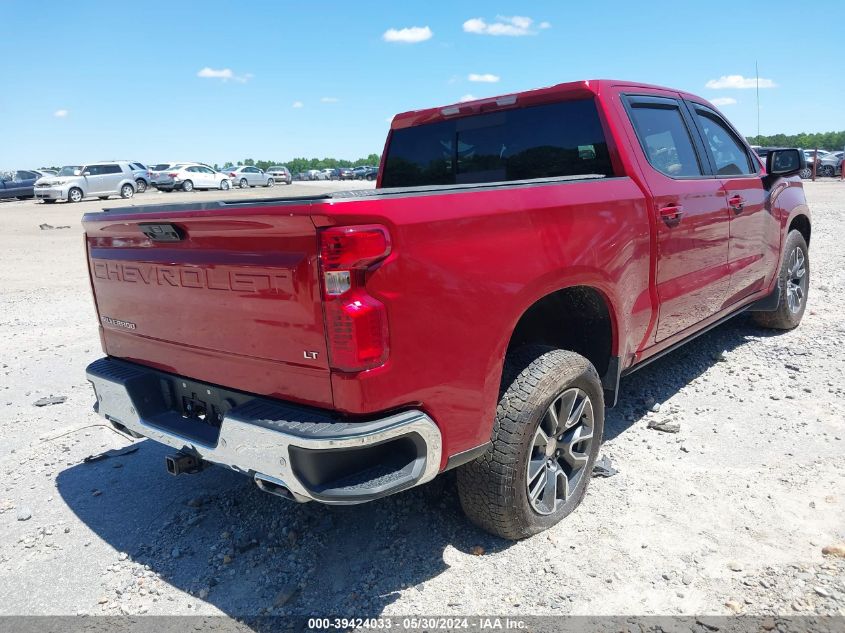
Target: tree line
{"x":833,"y":141}
{"x":303,"y":164}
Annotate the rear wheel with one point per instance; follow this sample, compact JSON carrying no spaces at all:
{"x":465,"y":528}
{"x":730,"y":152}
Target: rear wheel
{"x":243,"y":184}
{"x":546,"y":438}
{"x":75,"y":195}
{"x":188,"y":185}
{"x":827,"y":170}
{"x":127,"y":191}
{"x":140,"y":185}
{"x":794,"y":284}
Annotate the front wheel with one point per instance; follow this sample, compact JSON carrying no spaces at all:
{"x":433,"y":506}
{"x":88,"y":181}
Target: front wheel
{"x":794,"y":285}
{"x":827,"y":170}
{"x":127,"y":191}
{"x":224,"y":185}
{"x":546,"y":438}
{"x":270,"y":182}
{"x":806,"y":173}
{"x":140,"y":185}
{"x":75,"y":195}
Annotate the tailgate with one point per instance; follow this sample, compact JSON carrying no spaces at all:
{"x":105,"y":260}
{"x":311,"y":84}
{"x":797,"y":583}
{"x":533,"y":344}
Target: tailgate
{"x":225,"y":296}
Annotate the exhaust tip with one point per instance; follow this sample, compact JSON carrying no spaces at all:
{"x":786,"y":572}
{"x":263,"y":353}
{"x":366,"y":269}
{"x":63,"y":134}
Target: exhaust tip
{"x":274,"y":487}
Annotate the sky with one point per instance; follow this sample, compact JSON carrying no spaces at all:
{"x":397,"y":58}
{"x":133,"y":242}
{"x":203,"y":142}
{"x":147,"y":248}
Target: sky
{"x":225,"y":81}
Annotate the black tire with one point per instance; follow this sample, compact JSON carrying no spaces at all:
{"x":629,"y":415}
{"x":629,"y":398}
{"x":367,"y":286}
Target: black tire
{"x":494,"y":489}
{"x":127,"y":191}
{"x":827,"y":170}
{"x":75,"y":195}
{"x":140,"y":185}
{"x":188,"y":186}
{"x":243,"y":184}
{"x":794,"y":286}
{"x":806,"y":173}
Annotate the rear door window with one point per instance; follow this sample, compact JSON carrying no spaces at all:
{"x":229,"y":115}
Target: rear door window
{"x":545,"y":141}
{"x":665,"y":138}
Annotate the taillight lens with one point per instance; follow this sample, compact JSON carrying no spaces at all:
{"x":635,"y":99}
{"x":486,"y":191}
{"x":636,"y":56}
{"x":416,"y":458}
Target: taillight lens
{"x":173,"y":175}
{"x":356,"y":322}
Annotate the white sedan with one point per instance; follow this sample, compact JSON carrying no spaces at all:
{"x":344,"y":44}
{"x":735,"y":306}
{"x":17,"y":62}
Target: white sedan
{"x":188,"y":177}
{"x":246,"y":176}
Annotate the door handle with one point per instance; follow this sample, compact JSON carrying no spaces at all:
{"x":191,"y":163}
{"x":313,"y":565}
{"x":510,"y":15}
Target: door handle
{"x":737,"y":203}
{"x":671,"y":214}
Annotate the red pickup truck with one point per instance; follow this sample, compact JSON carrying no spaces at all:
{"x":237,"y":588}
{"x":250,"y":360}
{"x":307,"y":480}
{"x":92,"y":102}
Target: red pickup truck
{"x":519,"y":255}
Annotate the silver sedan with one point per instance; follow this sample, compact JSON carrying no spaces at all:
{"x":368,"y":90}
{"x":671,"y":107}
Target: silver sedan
{"x":246,"y":176}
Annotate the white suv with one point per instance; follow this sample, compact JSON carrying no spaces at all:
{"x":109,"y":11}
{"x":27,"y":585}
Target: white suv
{"x":190,"y":176}
{"x":94,"y":179}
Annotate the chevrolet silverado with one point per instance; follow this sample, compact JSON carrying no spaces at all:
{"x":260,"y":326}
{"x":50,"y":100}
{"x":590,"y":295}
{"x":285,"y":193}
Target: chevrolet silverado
{"x":476,"y":310}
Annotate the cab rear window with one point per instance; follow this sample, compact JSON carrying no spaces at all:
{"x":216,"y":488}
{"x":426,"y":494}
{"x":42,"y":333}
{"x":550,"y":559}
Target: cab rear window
{"x":545,"y":141}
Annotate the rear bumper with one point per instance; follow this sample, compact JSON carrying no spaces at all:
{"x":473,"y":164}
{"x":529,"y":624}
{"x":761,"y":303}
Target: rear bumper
{"x":309,"y":453}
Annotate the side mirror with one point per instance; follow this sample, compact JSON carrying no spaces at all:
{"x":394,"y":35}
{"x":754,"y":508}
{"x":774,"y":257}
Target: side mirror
{"x":785,"y":162}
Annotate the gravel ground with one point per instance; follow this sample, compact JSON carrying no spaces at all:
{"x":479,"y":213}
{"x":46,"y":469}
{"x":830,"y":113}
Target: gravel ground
{"x":727,"y":515}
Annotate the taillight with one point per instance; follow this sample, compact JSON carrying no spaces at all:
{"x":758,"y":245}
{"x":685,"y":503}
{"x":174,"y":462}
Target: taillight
{"x":232,"y":175}
{"x":172,"y":175}
{"x":356,"y":322}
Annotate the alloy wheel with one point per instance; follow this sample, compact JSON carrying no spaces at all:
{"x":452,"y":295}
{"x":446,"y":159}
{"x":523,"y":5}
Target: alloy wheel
{"x":560,"y":451}
{"x":796,"y":283}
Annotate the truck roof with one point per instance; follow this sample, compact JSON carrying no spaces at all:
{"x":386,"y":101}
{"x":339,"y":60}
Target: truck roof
{"x":536,"y":96}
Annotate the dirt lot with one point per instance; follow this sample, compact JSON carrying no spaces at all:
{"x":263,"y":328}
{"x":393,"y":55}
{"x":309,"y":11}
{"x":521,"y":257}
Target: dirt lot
{"x":730,"y":514}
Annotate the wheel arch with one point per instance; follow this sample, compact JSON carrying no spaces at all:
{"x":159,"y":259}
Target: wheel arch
{"x":579,"y":318}
{"x":801,"y":223}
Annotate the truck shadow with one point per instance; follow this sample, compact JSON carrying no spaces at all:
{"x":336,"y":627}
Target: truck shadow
{"x":216,"y":536}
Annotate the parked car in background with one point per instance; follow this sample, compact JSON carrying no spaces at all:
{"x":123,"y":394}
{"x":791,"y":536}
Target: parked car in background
{"x":280,"y":173}
{"x":159,"y":171}
{"x":190,"y":176}
{"x":315,"y":174}
{"x":101,"y":179}
{"x":247,"y":176}
{"x":359,"y":172}
{"x":20,"y":183}
{"x":830,"y":164}
{"x":143,"y":176}
{"x":343,"y":173}
{"x":371,"y":173}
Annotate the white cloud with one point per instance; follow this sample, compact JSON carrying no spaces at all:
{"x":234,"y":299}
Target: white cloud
{"x":484,"y":78}
{"x":513,"y":26}
{"x":409,"y":35}
{"x":297,"y":104}
{"x":738,"y":81}
{"x":60,"y":114}
{"x":223,"y":73}
{"x":329,"y":99}
{"x":467,"y":98}
{"x":723,"y":101}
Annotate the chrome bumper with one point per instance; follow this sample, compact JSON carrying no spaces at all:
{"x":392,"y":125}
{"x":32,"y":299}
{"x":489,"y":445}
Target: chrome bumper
{"x":276,"y":443}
